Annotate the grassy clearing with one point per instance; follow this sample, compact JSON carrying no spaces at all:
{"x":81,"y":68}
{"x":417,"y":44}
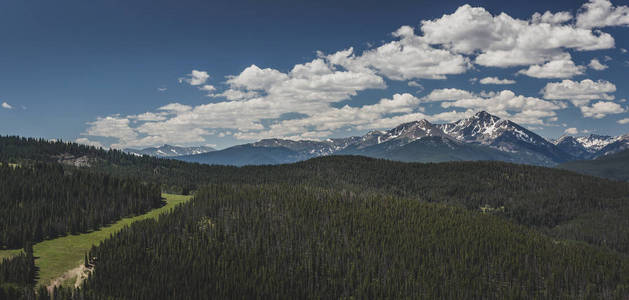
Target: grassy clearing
{"x":9,"y":253}
{"x":55,"y":257}
{"x":12,"y":165}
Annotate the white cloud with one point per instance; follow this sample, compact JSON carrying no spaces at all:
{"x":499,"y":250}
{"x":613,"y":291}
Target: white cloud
{"x":415,"y":84}
{"x":208,"y":88}
{"x":502,"y":41}
{"x":149,"y":116}
{"x":162,"y":89}
{"x":408,"y":58}
{"x":623,"y":121}
{"x":447,"y":94}
{"x":571,"y":131}
{"x":195,"y":77}
{"x":112,"y":127}
{"x":233,"y":95}
{"x":86,"y":141}
{"x":579,"y":93}
{"x":550,"y":18}
{"x":602,"y":13}
{"x":597,"y":65}
{"x":7,"y":105}
{"x":321,"y":124}
{"x":601,"y":109}
{"x":521,"y":109}
{"x":175,"y":107}
{"x":562,"y":67}
{"x":254,"y":78}
{"x":419,"y":86}
{"x":496,"y":80}
{"x":263,"y":95}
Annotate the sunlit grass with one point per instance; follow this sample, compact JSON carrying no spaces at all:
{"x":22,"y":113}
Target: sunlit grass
{"x":55,"y":257}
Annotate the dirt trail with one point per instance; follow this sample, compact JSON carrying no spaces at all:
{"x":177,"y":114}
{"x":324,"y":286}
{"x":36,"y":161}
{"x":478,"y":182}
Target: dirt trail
{"x":80,"y":273}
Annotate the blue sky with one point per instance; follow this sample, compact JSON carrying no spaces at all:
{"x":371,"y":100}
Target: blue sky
{"x":120,"y":73}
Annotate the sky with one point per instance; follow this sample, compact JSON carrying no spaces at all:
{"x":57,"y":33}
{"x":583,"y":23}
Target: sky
{"x":134,"y":74}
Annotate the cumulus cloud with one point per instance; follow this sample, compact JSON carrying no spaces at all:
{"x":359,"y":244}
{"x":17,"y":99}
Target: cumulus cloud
{"x":623,"y":121}
{"x":602,"y":13}
{"x":175,"y":107}
{"x":263,"y":95}
{"x":419,"y":86}
{"x":321,"y":124}
{"x":86,"y":141}
{"x":597,"y":65}
{"x":195,"y":77}
{"x":149,"y":116}
{"x":503,"y":41}
{"x":318,"y":94}
{"x":580,"y":93}
{"x":208,"y":88}
{"x":496,"y":80}
{"x":447,"y":94}
{"x":235,"y":94}
{"x":408,"y":58}
{"x":551,"y":18}
{"x":601,"y":109}
{"x":254,"y":78}
{"x":521,"y":109}
{"x":562,"y":67}
{"x":6,"y":105}
{"x":571,"y":131}
{"x":112,"y":127}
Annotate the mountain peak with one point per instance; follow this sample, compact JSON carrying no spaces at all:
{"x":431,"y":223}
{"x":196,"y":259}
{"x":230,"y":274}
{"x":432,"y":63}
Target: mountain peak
{"x":484,"y":115}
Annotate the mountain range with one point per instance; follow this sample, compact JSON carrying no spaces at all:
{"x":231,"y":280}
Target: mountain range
{"x":481,"y":137}
{"x":170,"y":151}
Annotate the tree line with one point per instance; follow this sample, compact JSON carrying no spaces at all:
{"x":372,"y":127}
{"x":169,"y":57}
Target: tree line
{"x":303,"y":242}
{"x":43,"y":201}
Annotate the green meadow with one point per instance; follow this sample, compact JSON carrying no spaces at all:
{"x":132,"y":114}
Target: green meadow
{"x":55,"y":257}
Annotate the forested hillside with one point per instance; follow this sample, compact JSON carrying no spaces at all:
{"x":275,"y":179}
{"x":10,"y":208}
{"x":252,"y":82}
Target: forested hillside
{"x":613,"y":166}
{"x":286,"y":241}
{"x":330,"y":227}
{"x":42,"y":201}
{"x":534,"y":196}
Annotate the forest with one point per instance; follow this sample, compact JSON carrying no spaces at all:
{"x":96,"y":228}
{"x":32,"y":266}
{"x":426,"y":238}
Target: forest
{"x":332,"y":227}
{"x":286,"y":241}
{"x":43,"y":201}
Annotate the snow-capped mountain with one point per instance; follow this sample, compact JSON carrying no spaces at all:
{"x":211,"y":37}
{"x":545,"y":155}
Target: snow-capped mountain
{"x":584,"y":147}
{"x":505,"y":135}
{"x":572,"y":146}
{"x":618,"y":144}
{"x":170,"y":151}
{"x":401,"y":135}
{"x":595,"y":142}
{"x":592,"y":146}
{"x":486,"y":129}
